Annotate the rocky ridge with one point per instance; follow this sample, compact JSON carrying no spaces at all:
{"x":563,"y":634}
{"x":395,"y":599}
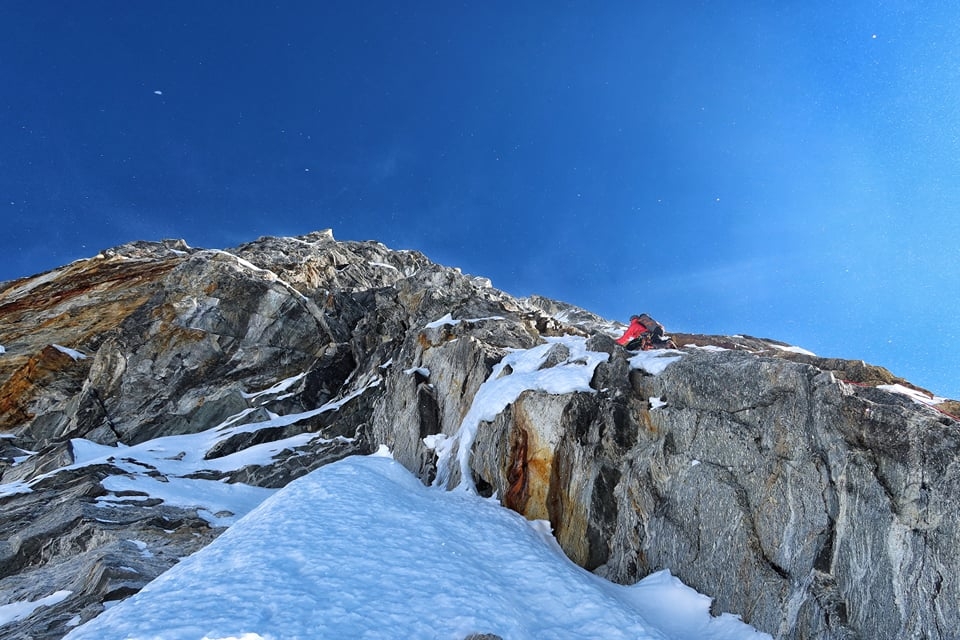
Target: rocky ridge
{"x":802,"y":493}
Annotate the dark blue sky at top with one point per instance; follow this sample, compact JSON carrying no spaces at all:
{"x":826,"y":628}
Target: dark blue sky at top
{"x":781,"y":169}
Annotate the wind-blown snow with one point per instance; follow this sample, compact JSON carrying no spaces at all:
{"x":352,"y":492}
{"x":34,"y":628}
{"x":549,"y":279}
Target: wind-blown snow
{"x":361,"y":549}
{"x":519,"y":371}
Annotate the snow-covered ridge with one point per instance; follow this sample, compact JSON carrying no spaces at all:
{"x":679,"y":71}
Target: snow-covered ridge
{"x":360,"y":548}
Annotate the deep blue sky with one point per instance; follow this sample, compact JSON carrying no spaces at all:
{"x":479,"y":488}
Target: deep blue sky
{"x":780,"y":169}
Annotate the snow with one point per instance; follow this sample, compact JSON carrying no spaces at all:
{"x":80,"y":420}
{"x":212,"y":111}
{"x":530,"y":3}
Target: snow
{"x":270,"y":275}
{"x":142,"y":546}
{"x":656,"y":402}
{"x":279,"y":387}
{"x":73,"y":353}
{"x":423,"y":371}
{"x":23,"y":609}
{"x":362,"y":549}
{"x":179,"y":459}
{"x":219,"y":502}
{"x":519,"y":371}
{"x":706,"y":347}
{"x":793,"y":349}
{"x":654,"y":361}
{"x":448,"y":320}
{"x":383,"y":264}
{"x":2,"y":349}
{"x":913,"y":394}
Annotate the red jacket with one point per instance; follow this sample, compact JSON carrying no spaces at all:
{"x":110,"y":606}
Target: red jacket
{"x":635,"y":330}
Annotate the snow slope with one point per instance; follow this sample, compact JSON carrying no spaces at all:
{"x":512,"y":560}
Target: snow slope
{"x":361,"y":549}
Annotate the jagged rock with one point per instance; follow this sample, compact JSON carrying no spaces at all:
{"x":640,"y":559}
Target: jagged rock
{"x":785,"y":485}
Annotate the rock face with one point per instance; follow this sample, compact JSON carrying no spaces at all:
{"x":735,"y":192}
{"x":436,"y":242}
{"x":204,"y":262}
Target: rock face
{"x":800,"y":492}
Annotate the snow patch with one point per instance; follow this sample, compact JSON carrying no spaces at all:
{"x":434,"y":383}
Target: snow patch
{"x":656,"y":403}
{"x":11,"y":488}
{"x":24,"y":609}
{"x":279,"y":387}
{"x":706,"y":347}
{"x":270,"y":275}
{"x":913,"y":394}
{"x":179,"y":459}
{"x":423,"y":371}
{"x":793,"y":349}
{"x":219,"y":503}
{"x":654,"y":361}
{"x":73,"y":353}
{"x":448,"y":320}
{"x":142,"y":546}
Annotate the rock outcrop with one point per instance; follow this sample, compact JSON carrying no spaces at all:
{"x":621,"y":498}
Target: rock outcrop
{"x":805,"y":494}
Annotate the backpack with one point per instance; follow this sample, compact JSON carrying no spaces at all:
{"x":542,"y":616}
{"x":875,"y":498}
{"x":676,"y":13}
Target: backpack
{"x":654,"y":327}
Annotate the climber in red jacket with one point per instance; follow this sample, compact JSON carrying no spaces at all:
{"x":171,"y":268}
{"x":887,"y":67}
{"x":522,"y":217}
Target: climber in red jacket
{"x":646,"y":333}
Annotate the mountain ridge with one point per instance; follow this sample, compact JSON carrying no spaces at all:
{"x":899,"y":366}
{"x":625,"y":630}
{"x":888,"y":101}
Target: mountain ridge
{"x":360,"y":346}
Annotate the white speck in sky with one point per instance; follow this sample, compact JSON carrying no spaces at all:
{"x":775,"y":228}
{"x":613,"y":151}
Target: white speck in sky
{"x":159,"y":93}
{"x":874,"y":36}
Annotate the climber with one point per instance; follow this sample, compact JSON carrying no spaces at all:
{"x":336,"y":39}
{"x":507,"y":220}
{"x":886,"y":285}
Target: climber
{"x":645,"y":333}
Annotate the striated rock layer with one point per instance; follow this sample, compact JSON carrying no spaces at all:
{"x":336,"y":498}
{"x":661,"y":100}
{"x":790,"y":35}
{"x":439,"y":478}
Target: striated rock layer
{"x":800,"y":492}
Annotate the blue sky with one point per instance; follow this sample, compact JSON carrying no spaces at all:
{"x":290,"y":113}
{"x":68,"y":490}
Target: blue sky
{"x":780,"y":169}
